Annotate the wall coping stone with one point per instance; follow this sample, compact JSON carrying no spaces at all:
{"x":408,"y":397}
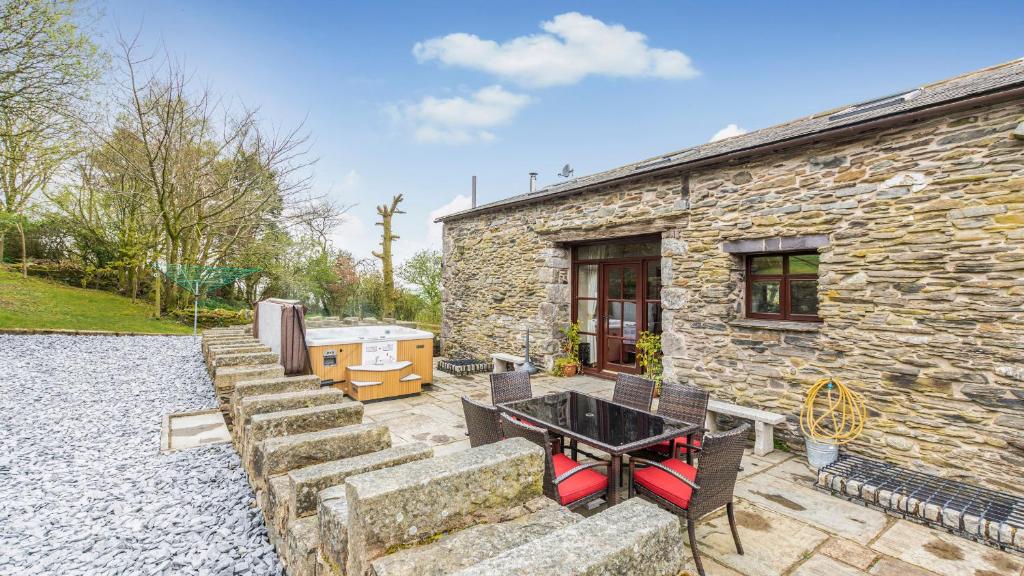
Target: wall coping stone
{"x":775,"y":244}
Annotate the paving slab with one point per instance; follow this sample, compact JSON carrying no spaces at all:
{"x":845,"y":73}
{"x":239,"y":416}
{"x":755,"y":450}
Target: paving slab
{"x":827,"y":512}
{"x":887,"y":566}
{"x":772,"y":542}
{"x":945,"y":553}
{"x":849,"y":552}
{"x":820,"y":565}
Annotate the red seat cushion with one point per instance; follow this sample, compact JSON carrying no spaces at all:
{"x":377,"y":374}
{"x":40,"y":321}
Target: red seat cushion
{"x":580,"y":484}
{"x":664,"y":447}
{"x":665,"y":485}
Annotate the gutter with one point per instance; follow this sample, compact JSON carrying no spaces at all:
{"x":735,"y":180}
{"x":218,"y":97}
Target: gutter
{"x":882,"y":122}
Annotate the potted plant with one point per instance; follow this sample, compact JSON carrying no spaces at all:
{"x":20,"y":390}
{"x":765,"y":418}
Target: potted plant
{"x":832,"y":415}
{"x":648,"y":358}
{"x":568,"y":364}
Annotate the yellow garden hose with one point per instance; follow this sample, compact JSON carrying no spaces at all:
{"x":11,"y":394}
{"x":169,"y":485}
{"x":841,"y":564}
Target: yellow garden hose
{"x":843,"y":413}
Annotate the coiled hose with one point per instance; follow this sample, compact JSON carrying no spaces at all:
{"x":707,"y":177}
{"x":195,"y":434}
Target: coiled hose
{"x":843,"y":415}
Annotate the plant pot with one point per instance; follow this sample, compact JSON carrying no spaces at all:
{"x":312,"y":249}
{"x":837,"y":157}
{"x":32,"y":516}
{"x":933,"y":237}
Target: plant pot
{"x":570,"y":370}
{"x":820,"y":454}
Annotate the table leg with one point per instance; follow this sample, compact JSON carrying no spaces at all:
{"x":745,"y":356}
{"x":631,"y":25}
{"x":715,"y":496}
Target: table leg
{"x":572,"y":448}
{"x":613,"y":480}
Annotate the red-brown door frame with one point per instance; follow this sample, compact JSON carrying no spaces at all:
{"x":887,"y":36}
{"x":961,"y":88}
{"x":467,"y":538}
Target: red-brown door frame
{"x":600,"y":311}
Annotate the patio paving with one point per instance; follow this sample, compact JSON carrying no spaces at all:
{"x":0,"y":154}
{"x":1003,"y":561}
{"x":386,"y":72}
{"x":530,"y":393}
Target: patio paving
{"x":787,"y":527}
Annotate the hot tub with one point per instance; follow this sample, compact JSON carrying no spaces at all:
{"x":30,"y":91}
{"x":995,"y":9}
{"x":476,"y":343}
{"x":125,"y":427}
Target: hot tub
{"x":372,"y":362}
{"x":356,"y":334}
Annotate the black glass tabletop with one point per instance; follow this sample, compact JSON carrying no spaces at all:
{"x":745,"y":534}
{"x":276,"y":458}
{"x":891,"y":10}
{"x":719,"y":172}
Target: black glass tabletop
{"x":602,"y":423}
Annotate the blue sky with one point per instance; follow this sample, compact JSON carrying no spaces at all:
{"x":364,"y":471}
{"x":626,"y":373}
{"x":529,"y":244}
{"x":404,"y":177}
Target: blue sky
{"x":416,"y":97}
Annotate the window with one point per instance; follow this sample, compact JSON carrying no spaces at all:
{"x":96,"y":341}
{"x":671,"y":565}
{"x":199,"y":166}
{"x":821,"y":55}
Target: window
{"x":783,"y":287}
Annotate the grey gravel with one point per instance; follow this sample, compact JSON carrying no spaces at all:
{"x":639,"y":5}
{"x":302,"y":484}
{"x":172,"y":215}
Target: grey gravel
{"x":84,"y":488}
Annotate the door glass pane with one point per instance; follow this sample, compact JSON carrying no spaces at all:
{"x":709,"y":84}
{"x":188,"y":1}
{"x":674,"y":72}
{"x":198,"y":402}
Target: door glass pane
{"x":613,"y":351}
{"x":764,"y":265}
{"x":654,"y":317}
{"x":654,"y":280}
{"x":586,"y":315}
{"x":803,"y":264}
{"x":588,"y":350}
{"x":629,"y":321}
{"x":614,"y":327}
{"x":764,"y":298}
{"x":628,"y":353}
{"x":629,"y":283}
{"x":803,"y":297}
{"x":586,"y":280}
{"x":615,"y":282}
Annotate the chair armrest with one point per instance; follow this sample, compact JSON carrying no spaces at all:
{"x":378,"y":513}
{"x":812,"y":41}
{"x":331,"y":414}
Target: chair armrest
{"x":579,"y":468}
{"x":664,"y":468}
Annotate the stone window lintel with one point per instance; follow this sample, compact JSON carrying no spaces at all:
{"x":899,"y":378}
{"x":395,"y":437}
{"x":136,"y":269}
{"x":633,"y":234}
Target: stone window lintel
{"x":775,"y":244}
{"x":782,"y":325}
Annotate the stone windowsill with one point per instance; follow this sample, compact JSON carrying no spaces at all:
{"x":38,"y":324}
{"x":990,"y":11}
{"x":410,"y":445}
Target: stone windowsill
{"x":777,"y":325}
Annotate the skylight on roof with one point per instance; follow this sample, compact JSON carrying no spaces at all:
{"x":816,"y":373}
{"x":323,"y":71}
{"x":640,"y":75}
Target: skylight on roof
{"x":876,"y":104}
{"x":663,"y":160}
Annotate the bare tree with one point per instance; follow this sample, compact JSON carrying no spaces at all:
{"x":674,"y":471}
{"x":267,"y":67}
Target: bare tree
{"x":388,"y":237}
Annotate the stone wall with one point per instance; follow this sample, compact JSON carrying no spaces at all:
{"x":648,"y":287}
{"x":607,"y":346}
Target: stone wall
{"x":921,"y":282}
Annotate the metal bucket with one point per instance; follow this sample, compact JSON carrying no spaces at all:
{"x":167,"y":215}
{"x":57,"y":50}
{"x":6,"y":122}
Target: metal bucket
{"x":820,"y":454}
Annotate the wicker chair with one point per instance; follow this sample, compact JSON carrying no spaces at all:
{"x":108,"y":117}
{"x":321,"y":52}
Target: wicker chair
{"x":566,"y":481}
{"x":695,"y":492}
{"x":682,"y":402}
{"x":633,"y":391}
{"x":482,"y":422}
{"x":510,"y":386}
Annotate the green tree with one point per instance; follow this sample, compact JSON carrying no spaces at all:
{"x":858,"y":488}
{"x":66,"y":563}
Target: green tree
{"x":423,"y":271}
{"x":46,"y":67}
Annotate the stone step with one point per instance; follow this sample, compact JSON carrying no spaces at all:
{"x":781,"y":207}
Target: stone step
{"x":298,"y":421}
{"x":410,"y":504}
{"x":310,"y":394}
{"x":634,"y":537}
{"x":275,"y":456}
{"x":239,"y":348}
{"x":332,"y":513}
{"x":476,"y":544}
{"x":306,"y":483}
{"x":243,"y":359}
{"x":274,"y":385}
{"x":302,"y":542}
{"x":226,"y":377}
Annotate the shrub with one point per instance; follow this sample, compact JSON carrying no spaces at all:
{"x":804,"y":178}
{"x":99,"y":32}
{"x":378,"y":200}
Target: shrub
{"x":213,"y":318}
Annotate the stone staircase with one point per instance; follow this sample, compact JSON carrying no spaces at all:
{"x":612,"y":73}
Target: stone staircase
{"x":339,"y":499}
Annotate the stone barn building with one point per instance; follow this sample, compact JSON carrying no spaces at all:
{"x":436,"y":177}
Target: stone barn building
{"x":880,"y":243}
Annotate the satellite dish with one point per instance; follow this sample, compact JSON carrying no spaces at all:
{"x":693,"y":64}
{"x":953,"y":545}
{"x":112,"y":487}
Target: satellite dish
{"x":566,"y":171}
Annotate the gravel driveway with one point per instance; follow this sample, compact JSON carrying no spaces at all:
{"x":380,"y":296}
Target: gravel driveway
{"x":83,"y":486}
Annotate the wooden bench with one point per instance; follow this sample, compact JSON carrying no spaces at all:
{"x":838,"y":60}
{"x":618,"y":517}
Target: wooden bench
{"x":764,"y":421}
{"x":505,"y":362}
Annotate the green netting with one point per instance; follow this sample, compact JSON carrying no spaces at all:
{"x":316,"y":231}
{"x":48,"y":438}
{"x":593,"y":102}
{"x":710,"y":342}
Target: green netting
{"x":199,"y":279}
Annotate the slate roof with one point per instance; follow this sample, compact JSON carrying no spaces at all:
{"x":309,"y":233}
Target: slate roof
{"x":980,"y":82}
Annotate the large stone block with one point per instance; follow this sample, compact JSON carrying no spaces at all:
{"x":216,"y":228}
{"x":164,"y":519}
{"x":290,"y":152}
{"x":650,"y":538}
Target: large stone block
{"x":635,"y":538}
{"x":332,"y":512}
{"x":246,"y":407}
{"x":475,"y":544}
{"x":243,"y":347}
{"x":411,"y":503}
{"x":243,"y":359}
{"x":275,"y":456}
{"x":306,"y":483}
{"x":226,"y":378}
{"x":276,"y":384}
{"x":298,"y":421}
{"x":302,"y":545}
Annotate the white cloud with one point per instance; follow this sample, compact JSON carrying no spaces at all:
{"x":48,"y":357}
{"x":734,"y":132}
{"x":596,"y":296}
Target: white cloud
{"x":460,"y":120}
{"x":434,"y":232}
{"x":353,"y":235}
{"x":573,"y":46}
{"x":727,"y":132}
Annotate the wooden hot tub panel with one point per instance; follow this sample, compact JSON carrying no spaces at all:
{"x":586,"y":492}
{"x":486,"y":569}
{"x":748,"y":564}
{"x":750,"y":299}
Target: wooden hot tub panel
{"x":378,"y":384}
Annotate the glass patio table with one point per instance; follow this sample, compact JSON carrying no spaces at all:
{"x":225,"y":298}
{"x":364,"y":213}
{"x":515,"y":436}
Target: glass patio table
{"x":603,"y":424}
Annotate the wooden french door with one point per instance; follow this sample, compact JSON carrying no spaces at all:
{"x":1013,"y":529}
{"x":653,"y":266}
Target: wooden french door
{"x":620,"y":316}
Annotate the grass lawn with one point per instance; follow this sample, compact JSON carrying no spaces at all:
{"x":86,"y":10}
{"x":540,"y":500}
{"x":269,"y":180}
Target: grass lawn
{"x":39,"y":304}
